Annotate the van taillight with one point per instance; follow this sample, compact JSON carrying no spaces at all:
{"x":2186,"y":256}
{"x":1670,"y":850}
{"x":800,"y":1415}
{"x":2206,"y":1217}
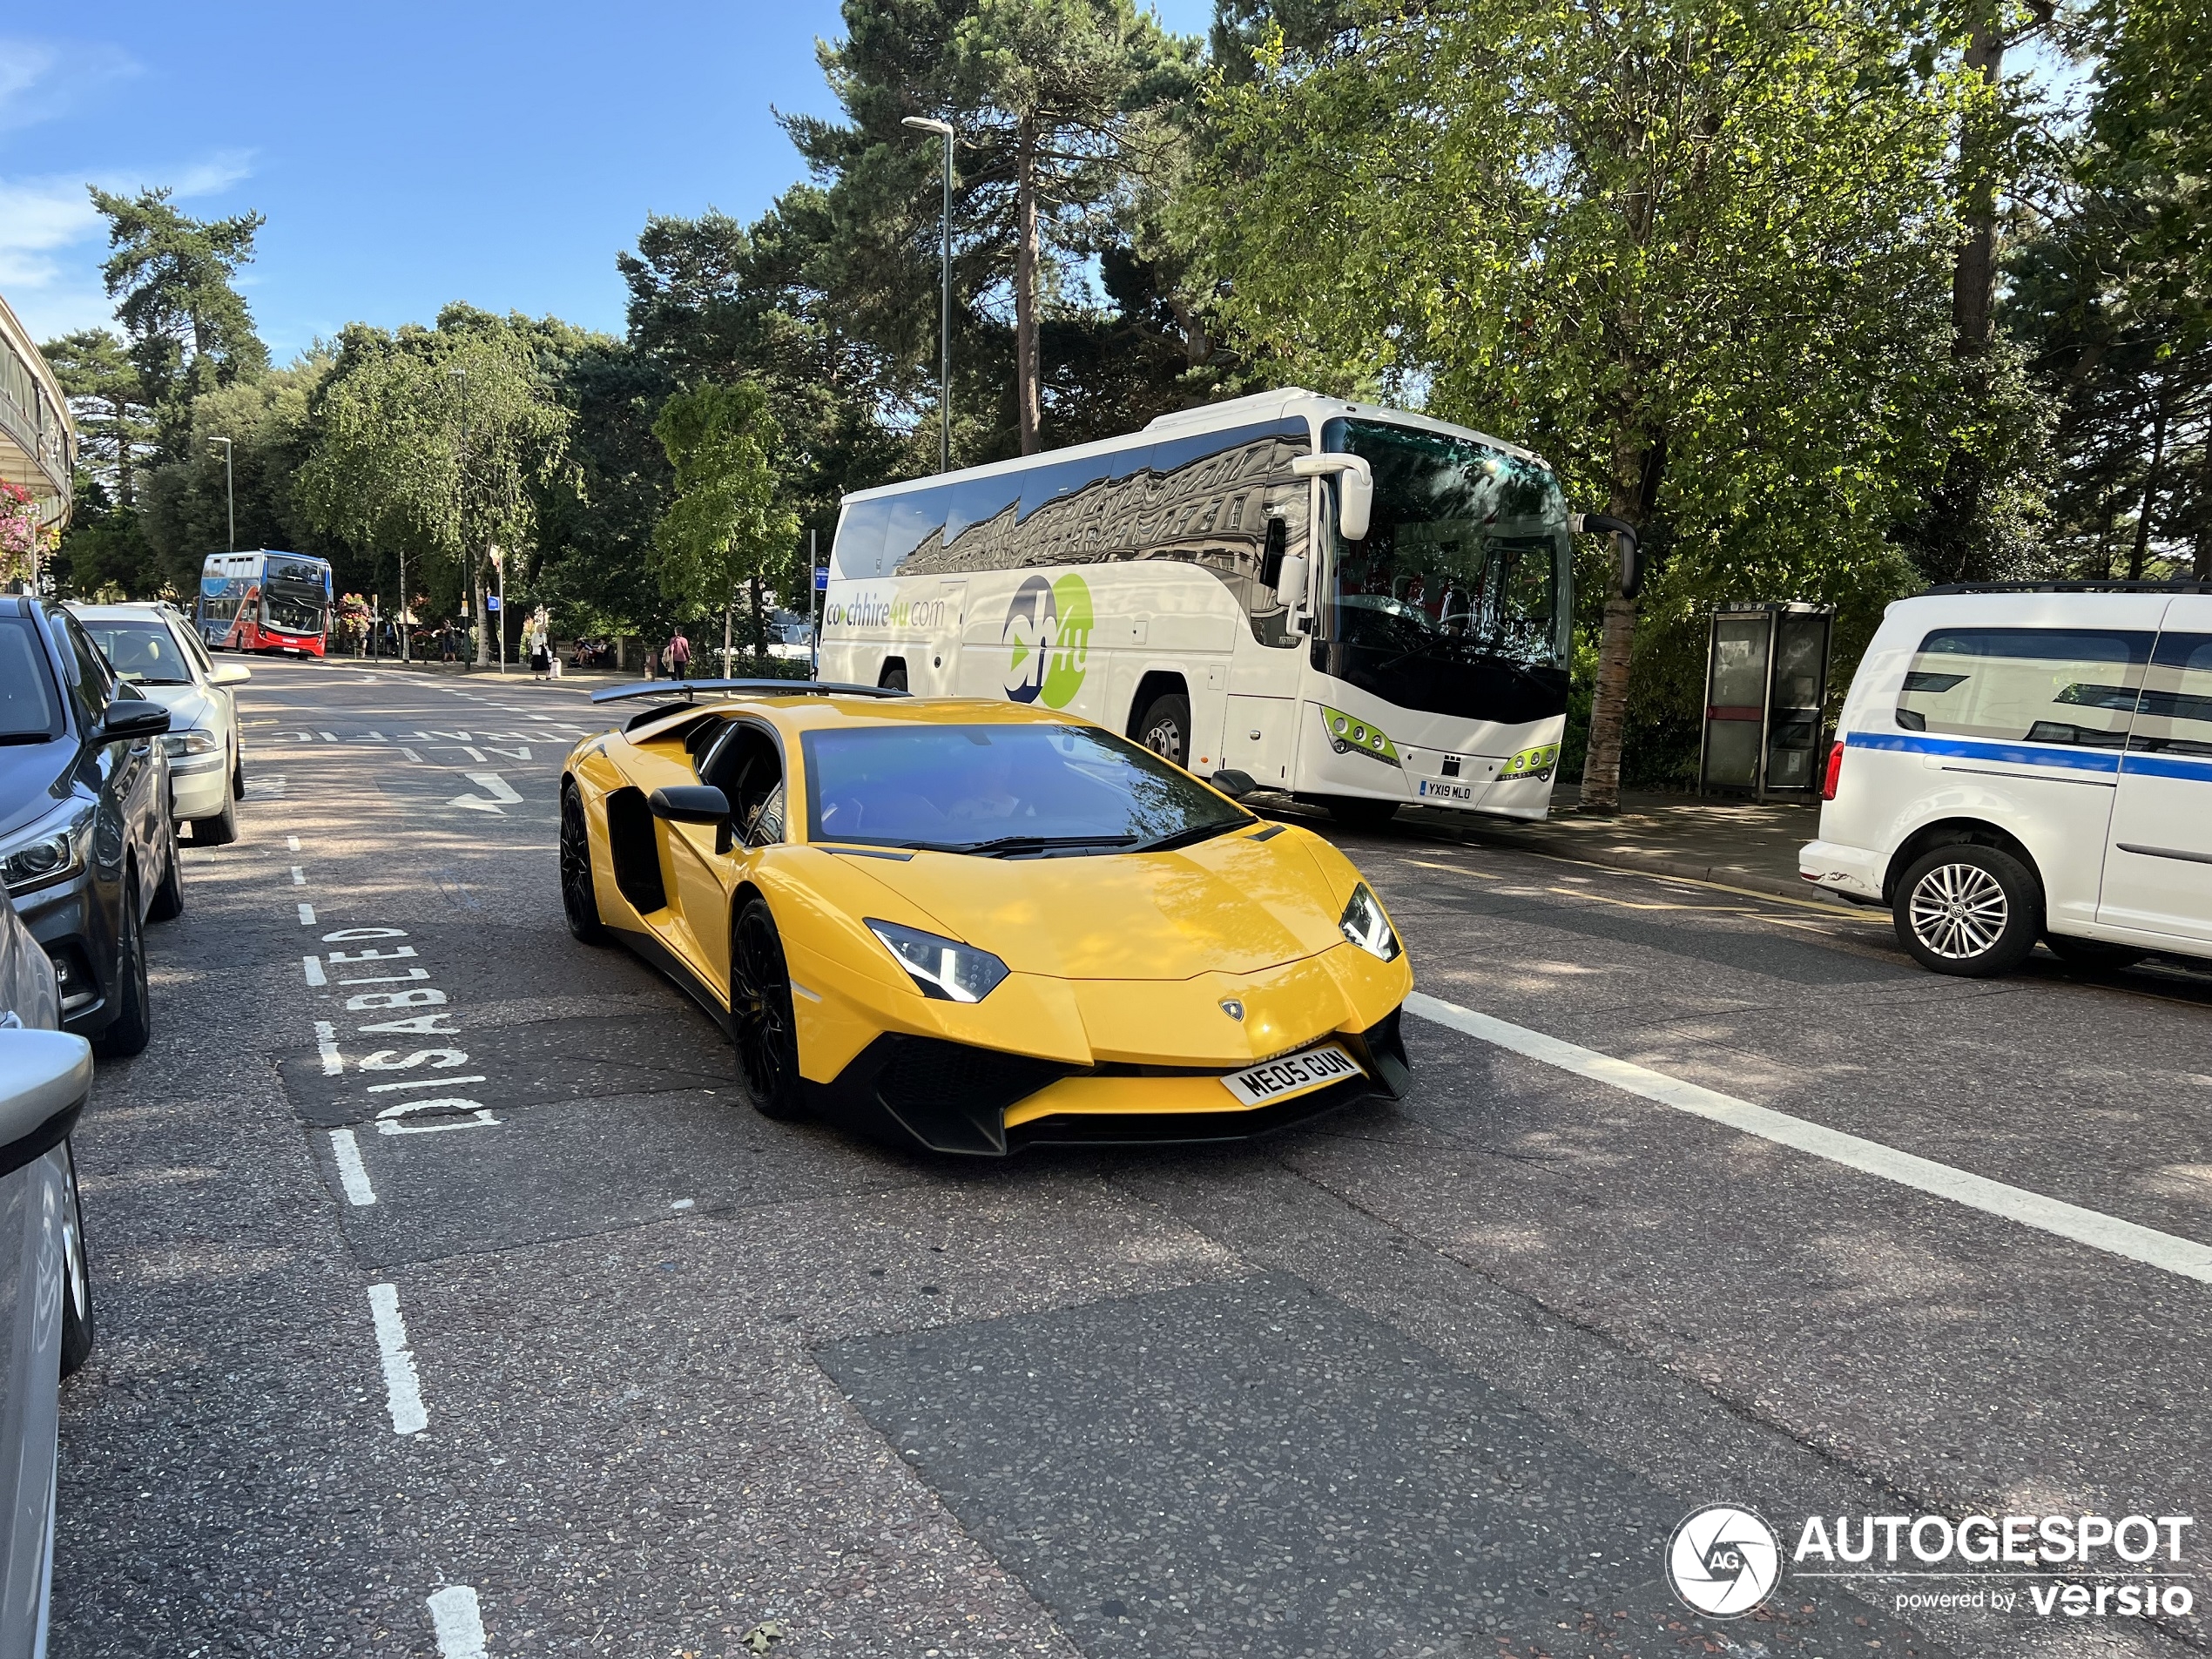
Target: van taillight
{"x":1835,"y":772}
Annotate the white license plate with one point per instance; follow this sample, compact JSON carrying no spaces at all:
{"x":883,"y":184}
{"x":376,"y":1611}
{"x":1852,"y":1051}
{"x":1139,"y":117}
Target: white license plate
{"x":1432,"y":789}
{"x":1294,"y":1074}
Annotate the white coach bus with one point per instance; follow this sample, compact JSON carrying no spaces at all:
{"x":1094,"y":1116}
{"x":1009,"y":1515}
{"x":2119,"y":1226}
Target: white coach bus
{"x":1359,"y":606}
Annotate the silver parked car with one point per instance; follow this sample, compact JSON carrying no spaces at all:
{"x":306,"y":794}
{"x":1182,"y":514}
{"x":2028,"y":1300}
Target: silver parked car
{"x":154,"y":648}
{"x":46,"y":1285}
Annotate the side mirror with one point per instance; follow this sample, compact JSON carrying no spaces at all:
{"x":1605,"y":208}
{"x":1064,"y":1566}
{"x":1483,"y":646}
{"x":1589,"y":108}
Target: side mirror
{"x":690,"y":803}
{"x":229,"y":674}
{"x":1355,"y":489}
{"x":1290,"y":580}
{"x":129,"y":721}
{"x":1625,"y":537}
{"x":47,"y":1076}
{"x":1237,"y":785}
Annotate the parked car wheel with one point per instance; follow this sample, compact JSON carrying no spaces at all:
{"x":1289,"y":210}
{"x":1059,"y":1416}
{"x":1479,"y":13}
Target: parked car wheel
{"x":238,"y":780}
{"x":2092,"y":953}
{"x":77,"y":1274}
{"x":132,"y":1027}
{"x":221,"y":829}
{"x":169,"y":897}
{"x":579,"y":901}
{"x":767,"y":1034}
{"x":1970,"y":910}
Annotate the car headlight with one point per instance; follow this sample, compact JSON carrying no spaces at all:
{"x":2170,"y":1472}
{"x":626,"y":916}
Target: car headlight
{"x":196,"y":741}
{"x":51,"y":850}
{"x":942,"y":968}
{"x":1365,"y":925}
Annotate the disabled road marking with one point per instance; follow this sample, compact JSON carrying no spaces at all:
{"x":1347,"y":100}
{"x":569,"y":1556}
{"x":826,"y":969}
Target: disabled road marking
{"x":403,"y":1389}
{"x":353,"y":1174}
{"x":459,"y":1622}
{"x":2100,"y":1232}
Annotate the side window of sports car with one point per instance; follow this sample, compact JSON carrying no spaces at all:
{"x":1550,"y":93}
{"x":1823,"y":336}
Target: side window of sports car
{"x":768,"y":825}
{"x":745,"y":765}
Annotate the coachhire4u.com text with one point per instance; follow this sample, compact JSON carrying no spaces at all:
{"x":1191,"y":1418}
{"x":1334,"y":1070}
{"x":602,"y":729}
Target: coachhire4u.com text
{"x":2124,"y":1566}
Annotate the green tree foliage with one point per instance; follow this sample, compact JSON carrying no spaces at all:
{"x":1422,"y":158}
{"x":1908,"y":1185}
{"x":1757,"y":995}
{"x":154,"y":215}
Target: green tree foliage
{"x":727,"y":529}
{"x":172,"y":279}
{"x":107,"y":400}
{"x":1696,"y":253}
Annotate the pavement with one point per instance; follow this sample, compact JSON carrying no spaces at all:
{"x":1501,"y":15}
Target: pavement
{"x":519,"y":1333}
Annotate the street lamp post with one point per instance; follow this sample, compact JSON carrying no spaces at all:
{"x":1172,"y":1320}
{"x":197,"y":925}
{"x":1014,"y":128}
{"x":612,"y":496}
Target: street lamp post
{"x":925,"y":124}
{"x":499,"y":574}
{"x":230,"y":496}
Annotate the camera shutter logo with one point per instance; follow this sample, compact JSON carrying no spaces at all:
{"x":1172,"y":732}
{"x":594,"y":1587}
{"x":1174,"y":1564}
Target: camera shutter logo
{"x":1722,"y":1561}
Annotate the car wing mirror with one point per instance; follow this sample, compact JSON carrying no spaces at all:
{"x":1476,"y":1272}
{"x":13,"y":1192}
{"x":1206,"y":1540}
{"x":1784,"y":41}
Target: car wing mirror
{"x":132,"y":721}
{"x":44,"y":1077}
{"x":690,"y":803}
{"x":229,"y":674}
{"x":1236,"y":784}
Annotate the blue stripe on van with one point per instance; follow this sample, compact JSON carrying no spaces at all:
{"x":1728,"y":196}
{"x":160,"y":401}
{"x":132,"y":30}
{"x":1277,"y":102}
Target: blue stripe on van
{"x":2013,"y":754}
{"x":2156,"y":765}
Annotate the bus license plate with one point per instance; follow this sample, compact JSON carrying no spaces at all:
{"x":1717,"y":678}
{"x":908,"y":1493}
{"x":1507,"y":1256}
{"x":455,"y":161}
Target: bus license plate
{"x":1294,"y":1074}
{"x":1434,"y":790}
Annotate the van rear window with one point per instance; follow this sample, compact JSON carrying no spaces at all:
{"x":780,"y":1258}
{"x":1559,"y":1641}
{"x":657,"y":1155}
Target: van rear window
{"x":2027,"y":684}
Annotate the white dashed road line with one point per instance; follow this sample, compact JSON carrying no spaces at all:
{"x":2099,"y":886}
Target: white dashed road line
{"x":458,"y":1622}
{"x":306,"y":915}
{"x":312,"y":966}
{"x":353,"y":1174}
{"x":401,"y":1387}
{"x":2100,"y":1232}
{"x":327,"y":1044}
{"x":299,"y":876}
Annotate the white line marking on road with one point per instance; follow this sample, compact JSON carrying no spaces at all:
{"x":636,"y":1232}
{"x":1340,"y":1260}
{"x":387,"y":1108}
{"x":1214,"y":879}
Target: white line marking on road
{"x":2183,"y":1255}
{"x":312,"y":966}
{"x":683,"y":1203}
{"x":494,"y":785}
{"x":410,"y":754}
{"x":427,"y":1083}
{"x":328,"y":737}
{"x":459,"y":1622}
{"x":299,"y":876}
{"x":327,"y":1046}
{"x":353,"y":1174}
{"x":292,"y":844}
{"x":401,"y":1387}
{"x":306,"y":915}
{"x":476,"y":755}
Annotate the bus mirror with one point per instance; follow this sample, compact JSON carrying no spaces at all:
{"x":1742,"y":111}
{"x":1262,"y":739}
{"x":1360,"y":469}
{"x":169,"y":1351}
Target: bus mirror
{"x":1355,"y":489}
{"x":1290,"y":580}
{"x":1629,"y":544}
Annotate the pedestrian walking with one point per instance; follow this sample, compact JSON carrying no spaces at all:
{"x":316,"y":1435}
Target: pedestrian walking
{"x":679,"y":656}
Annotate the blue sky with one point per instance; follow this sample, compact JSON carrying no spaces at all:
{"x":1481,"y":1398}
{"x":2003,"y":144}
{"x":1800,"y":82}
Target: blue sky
{"x":406,"y":154}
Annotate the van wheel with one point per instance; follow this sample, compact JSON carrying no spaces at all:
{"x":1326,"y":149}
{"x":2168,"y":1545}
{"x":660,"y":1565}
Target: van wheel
{"x":1969,"y":910}
{"x":2092,"y":953}
{"x":1165,"y":729}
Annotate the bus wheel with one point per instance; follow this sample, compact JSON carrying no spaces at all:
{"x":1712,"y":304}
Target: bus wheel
{"x":1165,"y":729}
{"x":1358,"y":813}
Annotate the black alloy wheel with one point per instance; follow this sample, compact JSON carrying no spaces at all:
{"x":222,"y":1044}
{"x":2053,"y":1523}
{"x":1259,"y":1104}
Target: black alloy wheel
{"x":578,"y":899}
{"x":1165,"y":729}
{"x":1969,"y":910}
{"x":767,"y":1035}
{"x":169,"y":897}
{"x":132,"y":1027}
{"x":77,"y":1273}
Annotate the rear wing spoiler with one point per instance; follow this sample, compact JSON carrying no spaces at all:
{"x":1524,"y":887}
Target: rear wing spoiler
{"x":689,"y":690}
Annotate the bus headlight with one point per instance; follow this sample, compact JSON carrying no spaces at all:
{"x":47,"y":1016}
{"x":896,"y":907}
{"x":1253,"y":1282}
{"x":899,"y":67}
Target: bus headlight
{"x":51,"y":850}
{"x":1534,"y":762}
{"x":943,"y":969}
{"x":1365,"y":925}
{"x":1348,"y":734}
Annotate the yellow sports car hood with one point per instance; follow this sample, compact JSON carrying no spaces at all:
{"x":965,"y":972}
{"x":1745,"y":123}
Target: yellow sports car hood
{"x":1232,"y":905}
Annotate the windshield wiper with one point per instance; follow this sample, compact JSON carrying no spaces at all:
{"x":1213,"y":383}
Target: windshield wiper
{"x":26,"y":737}
{"x":1000,"y":845}
{"x":1188,"y":836}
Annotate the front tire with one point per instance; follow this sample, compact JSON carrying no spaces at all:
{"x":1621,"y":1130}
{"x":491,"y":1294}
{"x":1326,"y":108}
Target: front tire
{"x":169,"y":897}
{"x":1969,"y":910}
{"x":132,"y":1027}
{"x":2092,"y":953}
{"x":1165,"y":729}
{"x":77,"y":1273}
{"x":219,"y":830}
{"x":579,"y":899}
{"x":766,"y":1034}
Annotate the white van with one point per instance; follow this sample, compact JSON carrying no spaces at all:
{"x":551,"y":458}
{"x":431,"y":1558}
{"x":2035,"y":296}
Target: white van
{"x":2016,"y":763}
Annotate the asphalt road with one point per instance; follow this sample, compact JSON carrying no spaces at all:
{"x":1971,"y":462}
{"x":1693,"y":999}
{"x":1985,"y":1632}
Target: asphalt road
{"x":529,"y":1336}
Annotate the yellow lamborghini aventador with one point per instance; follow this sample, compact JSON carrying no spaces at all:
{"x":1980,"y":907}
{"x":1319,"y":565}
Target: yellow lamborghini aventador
{"x":976,"y":925}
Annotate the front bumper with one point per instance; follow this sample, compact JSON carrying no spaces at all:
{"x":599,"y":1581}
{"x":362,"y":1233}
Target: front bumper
{"x":198,"y":787}
{"x":1853,"y":872}
{"x":966,"y":1101}
{"x":77,"y":933}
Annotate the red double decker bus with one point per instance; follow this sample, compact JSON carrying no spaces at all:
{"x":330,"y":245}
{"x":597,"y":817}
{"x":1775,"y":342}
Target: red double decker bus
{"x":265,"y":602}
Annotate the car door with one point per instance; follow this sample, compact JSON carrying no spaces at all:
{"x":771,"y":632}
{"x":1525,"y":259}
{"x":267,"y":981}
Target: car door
{"x":2158,"y":872}
{"x":705,"y":861}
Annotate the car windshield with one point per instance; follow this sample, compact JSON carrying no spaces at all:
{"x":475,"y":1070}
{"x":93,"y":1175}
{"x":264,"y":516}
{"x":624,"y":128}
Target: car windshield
{"x":1467,"y":552}
{"x":1003,"y":790}
{"x":145,"y":653}
{"x":30,"y":707}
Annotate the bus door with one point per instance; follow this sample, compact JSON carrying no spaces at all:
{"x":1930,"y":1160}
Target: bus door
{"x":1259,"y":736}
